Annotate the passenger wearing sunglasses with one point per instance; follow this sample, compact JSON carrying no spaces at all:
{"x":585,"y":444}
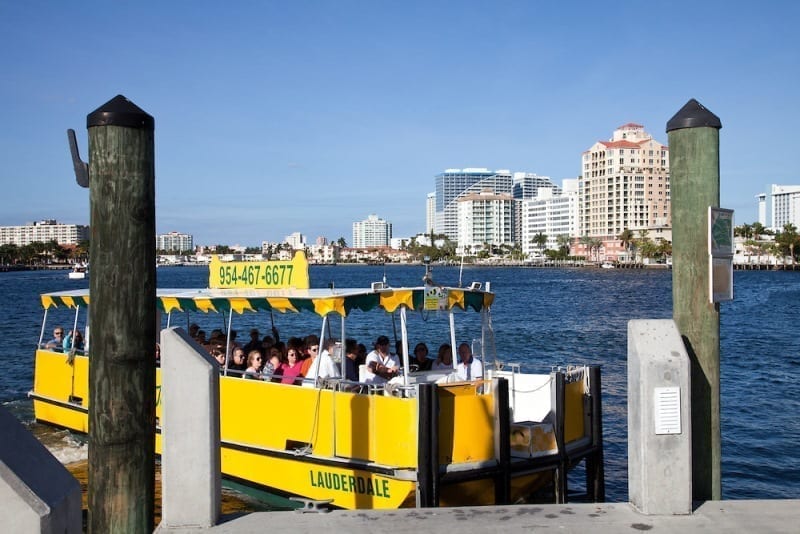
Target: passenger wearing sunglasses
{"x":253,"y":370}
{"x":57,"y":343}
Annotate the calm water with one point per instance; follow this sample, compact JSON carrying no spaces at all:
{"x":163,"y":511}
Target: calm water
{"x":544,"y":318}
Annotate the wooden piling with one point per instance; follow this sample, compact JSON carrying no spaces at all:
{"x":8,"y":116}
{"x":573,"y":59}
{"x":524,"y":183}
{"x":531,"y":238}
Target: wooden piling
{"x":595,"y":472}
{"x":424,"y":452}
{"x":560,"y":475}
{"x":694,"y":186}
{"x":122,"y":316}
{"x":502,"y":441}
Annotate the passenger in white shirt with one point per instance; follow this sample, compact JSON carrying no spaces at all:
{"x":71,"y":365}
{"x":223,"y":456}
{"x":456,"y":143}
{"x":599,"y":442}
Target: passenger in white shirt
{"x":382,"y":366}
{"x":323,"y":366}
{"x":469,"y":368}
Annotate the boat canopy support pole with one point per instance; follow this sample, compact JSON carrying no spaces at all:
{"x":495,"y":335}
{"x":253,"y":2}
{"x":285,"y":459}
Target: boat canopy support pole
{"x":44,"y":324}
{"x":453,"y":347}
{"x":404,"y":338}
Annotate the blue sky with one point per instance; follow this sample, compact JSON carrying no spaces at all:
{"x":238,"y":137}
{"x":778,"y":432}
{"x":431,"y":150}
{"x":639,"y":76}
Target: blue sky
{"x":276,"y":117}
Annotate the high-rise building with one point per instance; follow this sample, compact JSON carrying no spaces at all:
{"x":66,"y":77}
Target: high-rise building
{"x":484,"y":218}
{"x":296,"y":240}
{"x":44,"y":231}
{"x":174,"y":242}
{"x":785,"y":206}
{"x":372,"y":232}
{"x":553,"y":213}
{"x":762,"y":209}
{"x":453,"y":184}
{"x":526,"y":185}
{"x":624,"y":185}
{"x":430,"y":213}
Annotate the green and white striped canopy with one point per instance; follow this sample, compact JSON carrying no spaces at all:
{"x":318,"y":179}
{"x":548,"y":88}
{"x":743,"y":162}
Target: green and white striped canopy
{"x":318,"y":301}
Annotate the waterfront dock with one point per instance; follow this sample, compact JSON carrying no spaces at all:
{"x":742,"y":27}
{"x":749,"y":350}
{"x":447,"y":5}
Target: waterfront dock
{"x":762,"y":516}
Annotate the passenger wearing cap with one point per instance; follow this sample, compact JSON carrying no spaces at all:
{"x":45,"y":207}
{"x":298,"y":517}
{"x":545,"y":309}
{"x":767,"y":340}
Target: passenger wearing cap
{"x":382,"y":366}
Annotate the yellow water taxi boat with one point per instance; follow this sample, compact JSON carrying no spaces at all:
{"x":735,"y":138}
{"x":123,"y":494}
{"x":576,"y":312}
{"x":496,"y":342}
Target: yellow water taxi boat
{"x":423,"y":439}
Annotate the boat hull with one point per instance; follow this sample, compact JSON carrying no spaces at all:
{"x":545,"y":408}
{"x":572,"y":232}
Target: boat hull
{"x":359,"y":450}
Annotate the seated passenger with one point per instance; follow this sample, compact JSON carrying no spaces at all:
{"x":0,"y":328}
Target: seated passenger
{"x":290,"y":369}
{"x":253,"y":365}
{"x":381,"y":365}
{"x":444,"y":360}
{"x":468,"y":368}
{"x":351,"y":360}
{"x":322,"y":364}
{"x":57,"y":343}
{"x":421,"y":360}
{"x":308,"y":352}
{"x":219,"y":356}
{"x":237,"y":360}
{"x":273,"y":365}
{"x":74,"y":340}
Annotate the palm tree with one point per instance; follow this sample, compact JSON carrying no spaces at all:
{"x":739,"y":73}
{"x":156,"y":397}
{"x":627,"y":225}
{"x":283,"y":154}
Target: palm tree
{"x":540,"y":240}
{"x":743,"y":230}
{"x":564,"y":243}
{"x":758,"y":230}
{"x":787,"y":240}
{"x":594,"y":245}
{"x":341,"y":242}
{"x":9,"y":253}
{"x":586,"y":241}
{"x":626,"y":237}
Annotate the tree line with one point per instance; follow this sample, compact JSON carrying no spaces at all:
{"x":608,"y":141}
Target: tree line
{"x":782,"y":243}
{"x":43,"y":253}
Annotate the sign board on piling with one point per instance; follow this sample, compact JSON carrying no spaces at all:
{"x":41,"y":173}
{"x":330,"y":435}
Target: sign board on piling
{"x":720,"y":250}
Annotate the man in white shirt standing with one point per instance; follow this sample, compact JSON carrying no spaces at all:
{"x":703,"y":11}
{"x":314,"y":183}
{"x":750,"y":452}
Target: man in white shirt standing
{"x":469,"y":368}
{"x":382,"y":366}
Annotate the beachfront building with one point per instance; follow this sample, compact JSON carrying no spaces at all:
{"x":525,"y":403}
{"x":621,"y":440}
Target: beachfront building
{"x":485,"y":221}
{"x":323,"y":253}
{"x":174,"y":242}
{"x":44,"y":231}
{"x":296,"y":241}
{"x":624,"y":185}
{"x":553,"y":212}
{"x":372,"y":232}
{"x":454,"y":184}
{"x":785,"y":206}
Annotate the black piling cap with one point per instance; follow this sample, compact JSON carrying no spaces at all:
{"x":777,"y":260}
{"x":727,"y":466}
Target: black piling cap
{"x":693,"y":115}
{"x":119,"y":111}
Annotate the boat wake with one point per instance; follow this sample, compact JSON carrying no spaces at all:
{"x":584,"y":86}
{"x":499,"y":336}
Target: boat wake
{"x":63,"y":444}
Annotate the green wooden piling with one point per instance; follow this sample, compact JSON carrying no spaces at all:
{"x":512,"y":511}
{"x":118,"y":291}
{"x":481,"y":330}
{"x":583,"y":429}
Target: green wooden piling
{"x":122,"y":317}
{"x":694,"y":186}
